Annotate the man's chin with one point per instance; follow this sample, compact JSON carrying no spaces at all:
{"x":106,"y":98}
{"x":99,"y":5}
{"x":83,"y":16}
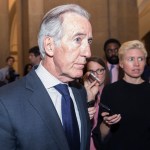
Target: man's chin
{"x":114,"y":62}
{"x":75,"y":75}
{"x":78,"y":74}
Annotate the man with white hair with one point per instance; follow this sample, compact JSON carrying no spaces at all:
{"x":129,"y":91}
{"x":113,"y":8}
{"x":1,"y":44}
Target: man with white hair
{"x":46,"y":110}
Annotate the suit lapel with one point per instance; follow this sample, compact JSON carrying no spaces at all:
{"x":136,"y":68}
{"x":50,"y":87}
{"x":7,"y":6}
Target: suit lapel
{"x":42,"y":103}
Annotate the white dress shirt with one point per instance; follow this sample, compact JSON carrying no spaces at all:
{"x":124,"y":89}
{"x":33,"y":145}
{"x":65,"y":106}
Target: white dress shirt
{"x":115,"y":72}
{"x":49,"y":81}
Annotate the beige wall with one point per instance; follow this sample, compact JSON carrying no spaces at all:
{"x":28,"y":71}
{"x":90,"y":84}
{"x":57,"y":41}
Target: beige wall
{"x":144,"y":18}
{"x":35,"y":16}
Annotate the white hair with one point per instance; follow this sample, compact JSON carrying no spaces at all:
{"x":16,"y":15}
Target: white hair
{"x":52,"y":23}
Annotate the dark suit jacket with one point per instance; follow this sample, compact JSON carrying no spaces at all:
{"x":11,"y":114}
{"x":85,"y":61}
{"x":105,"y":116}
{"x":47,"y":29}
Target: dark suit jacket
{"x":29,"y":121}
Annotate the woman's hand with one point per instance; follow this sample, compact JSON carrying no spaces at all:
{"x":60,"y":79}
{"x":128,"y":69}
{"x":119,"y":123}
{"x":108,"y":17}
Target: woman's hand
{"x":110,"y":120}
{"x":91,"y":87}
{"x":107,"y":122}
{"x":91,"y":111}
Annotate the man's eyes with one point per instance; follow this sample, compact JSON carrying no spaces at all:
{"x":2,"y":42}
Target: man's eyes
{"x":112,"y":50}
{"x":90,"y":41}
{"x":78,"y":39}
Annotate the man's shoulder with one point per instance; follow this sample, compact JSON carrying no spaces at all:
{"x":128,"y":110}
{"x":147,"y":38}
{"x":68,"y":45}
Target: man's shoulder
{"x":12,"y":87}
{"x":4,"y":69}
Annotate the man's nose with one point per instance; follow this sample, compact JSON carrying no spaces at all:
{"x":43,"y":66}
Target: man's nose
{"x":113,"y":52}
{"x":87,"y":51}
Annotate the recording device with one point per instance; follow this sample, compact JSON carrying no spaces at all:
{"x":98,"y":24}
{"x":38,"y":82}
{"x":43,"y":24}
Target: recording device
{"x":105,"y":108}
{"x":93,"y":77}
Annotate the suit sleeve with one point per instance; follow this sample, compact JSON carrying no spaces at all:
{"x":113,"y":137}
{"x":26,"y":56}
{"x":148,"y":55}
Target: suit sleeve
{"x":7,"y":139}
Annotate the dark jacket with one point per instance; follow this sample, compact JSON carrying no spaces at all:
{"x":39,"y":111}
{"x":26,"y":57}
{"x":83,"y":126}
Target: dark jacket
{"x":28,"y":118}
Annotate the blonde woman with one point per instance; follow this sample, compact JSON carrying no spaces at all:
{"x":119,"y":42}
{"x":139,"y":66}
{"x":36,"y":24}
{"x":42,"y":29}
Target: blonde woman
{"x":129,"y":97}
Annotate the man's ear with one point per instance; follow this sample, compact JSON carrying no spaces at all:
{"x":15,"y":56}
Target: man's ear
{"x":49,"y":45}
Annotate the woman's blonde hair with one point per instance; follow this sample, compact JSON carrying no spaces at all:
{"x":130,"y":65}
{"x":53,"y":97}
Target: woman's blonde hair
{"x":135,"y":44}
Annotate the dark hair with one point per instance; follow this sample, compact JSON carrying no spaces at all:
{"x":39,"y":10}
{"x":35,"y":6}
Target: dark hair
{"x":26,"y":71}
{"x":10,"y":57}
{"x":111,"y":41}
{"x":95,"y":59}
{"x":35,"y":50}
{"x":100,"y":61}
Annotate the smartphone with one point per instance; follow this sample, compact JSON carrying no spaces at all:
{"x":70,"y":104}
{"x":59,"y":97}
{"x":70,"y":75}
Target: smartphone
{"x":105,"y":108}
{"x":91,"y":103}
{"x":93,"y":77}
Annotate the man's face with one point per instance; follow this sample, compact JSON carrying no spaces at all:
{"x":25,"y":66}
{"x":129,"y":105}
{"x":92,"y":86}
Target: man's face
{"x":10,"y":62}
{"x":33,"y":59}
{"x":111,"y":53}
{"x":70,"y":56}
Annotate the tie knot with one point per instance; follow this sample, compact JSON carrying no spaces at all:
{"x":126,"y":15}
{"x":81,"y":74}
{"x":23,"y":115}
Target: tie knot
{"x":111,"y":67}
{"x":62,"y":89}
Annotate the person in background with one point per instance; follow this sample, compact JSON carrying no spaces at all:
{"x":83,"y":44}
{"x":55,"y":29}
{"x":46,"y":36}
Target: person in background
{"x":111,"y":47}
{"x":8,"y":73}
{"x":47,"y":109}
{"x":34,"y":55}
{"x":97,"y":66}
{"x":129,"y":97}
{"x":34,"y":58}
{"x":27,"y":69}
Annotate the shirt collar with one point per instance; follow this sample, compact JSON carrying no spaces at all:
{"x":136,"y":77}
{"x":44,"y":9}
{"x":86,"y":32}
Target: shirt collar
{"x":46,"y":77}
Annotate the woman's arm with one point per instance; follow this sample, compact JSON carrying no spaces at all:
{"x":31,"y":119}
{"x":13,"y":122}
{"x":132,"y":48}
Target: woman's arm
{"x":107,"y":122}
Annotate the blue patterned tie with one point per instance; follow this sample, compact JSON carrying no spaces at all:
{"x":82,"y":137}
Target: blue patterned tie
{"x":69,"y":119}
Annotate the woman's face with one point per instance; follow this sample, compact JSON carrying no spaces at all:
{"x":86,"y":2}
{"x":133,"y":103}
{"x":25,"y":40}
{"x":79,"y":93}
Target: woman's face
{"x":98,"y":70}
{"x":133,"y":63}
